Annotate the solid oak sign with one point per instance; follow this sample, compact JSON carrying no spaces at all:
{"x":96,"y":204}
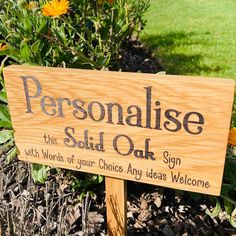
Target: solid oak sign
{"x":170,"y":131}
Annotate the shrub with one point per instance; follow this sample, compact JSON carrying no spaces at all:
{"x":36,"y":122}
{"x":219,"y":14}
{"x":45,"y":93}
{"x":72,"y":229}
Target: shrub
{"x":81,"y":34}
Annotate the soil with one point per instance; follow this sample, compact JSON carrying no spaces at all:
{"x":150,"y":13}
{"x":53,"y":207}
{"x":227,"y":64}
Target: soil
{"x":135,"y":57}
{"x":54,"y":208}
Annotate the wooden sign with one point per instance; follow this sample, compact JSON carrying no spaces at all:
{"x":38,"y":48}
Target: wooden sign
{"x":170,"y":131}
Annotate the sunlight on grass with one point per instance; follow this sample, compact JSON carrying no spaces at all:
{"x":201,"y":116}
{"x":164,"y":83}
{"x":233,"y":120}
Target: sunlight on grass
{"x":193,"y":37}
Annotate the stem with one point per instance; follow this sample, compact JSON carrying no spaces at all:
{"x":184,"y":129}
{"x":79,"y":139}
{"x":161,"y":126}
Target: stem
{"x":3,"y":63}
{"x":73,"y":51}
{"x":111,"y":30}
{"x":86,"y":41}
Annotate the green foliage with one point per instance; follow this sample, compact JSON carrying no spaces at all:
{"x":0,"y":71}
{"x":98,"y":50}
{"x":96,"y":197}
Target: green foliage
{"x":6,"y":133}
{"x":85,"y":184}
{"x":88,"y":36}
{"x":39,"y":173}
{"x":215,"y":211}
{"x":229,"y":208}
{"x":228,"y":191}
{"x":232,"y":218}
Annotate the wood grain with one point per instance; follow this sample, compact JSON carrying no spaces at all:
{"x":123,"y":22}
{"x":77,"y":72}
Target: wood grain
{"x":198,"y":158}
{"x":116,"y":198}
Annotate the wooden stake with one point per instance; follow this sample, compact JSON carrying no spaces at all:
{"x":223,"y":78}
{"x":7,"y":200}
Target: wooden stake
{"x":116,"y":200}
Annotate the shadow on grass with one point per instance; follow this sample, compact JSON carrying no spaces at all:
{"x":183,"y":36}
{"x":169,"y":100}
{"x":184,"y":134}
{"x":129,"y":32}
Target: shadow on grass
{"x":168,"y":47}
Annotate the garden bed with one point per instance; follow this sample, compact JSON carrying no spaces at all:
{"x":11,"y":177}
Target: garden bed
{"x":55,"y":209}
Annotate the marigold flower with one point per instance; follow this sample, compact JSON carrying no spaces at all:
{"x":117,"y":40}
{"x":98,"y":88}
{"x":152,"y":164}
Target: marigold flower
{"x":3,"y":46}
{"x":55,"y":8}
{"x":232,"y":137}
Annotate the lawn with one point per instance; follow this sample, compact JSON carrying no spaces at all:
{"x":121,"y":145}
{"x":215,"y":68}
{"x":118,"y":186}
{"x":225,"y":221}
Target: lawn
{"x":193,"y":37}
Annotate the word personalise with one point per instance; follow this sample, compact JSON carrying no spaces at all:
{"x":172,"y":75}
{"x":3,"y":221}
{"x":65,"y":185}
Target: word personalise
{"x":170,"y":119}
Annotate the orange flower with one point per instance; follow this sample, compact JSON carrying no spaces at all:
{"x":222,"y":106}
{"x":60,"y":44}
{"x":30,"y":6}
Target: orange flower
{"x":3,"y":46}
{"x":232,"y":137}
{"x":55,"y":8}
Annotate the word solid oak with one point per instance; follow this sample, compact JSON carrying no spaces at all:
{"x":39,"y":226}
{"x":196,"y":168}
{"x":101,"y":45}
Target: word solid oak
{"x":170,"y":131}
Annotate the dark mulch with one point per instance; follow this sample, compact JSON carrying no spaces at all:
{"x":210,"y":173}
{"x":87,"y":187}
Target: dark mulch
{"x":54,"y":209}
{"x":135,"y":57}
{"x":161,"y":211}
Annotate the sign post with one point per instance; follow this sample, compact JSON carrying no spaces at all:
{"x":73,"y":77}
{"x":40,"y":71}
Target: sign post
{"x":169,"y":131}
{"x":116,"y":202}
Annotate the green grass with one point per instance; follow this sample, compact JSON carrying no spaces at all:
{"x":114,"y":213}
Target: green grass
{"x":193,"y":37}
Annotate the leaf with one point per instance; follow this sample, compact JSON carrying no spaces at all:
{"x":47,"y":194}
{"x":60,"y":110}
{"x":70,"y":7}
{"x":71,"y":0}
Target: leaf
{"x":100,"y":179}
{"x":43,"y":27}
{"x":3,"y":97}
{"x":225,"y":190}
{"x":11,"y":154}
{"x":27,"y":24}
{"x":60,"y":35}
{"x":216,"y":210}
{"x":4,"y":113}
{"x":39,"y":173}
{"x":97,"y":179}
{"x":12,"y":53}
{"x":230,"y":172}
{"x":35,"y":46}
{"x":5,"y":124}
{"x":82,"y":195}
{"x":47,"y":48}
{"x":25,"y":51}
{"x":6,"y":145}
{"x":5,"y":135}
{"x":76,"y":184}
{"x":228,"y":206}
{"x":233,"y":218}
{"x":21,"y":3}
